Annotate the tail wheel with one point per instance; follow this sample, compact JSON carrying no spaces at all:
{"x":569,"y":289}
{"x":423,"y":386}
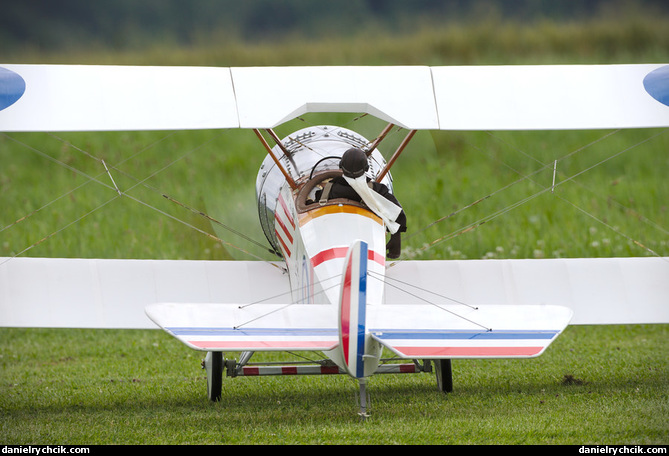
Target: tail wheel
{"x":444,"y":373}
{"x":213,"y":366}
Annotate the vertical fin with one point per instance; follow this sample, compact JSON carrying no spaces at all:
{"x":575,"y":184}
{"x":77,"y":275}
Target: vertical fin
{"x":352,"y":310}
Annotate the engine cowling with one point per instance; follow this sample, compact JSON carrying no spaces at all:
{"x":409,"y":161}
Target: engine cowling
{"x":309,"y":151}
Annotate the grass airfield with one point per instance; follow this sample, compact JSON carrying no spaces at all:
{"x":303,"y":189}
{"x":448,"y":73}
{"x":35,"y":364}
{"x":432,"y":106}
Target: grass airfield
{"x":595,"y":385}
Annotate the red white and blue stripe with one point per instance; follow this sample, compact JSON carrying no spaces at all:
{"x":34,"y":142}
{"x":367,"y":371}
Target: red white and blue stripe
{"x":466,"y":343}
{"x":260,"y":339}
{"x":284,"y":228}
{"x":352,"y":314}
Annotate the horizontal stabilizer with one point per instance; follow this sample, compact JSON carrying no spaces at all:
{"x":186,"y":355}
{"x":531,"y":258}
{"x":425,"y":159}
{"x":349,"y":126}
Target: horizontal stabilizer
{"x":258,"y":327}
{"x":408,"y":330}
{"x":432,"y":332}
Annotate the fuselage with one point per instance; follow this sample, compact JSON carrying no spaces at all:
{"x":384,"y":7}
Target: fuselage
{"x":313,"y":236}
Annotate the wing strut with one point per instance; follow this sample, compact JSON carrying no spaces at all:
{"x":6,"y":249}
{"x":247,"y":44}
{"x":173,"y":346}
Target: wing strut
{"x":278,"y":142}
{"x":397,"y":153}
{"x":289,"y":179}
{"x":379,"y":138}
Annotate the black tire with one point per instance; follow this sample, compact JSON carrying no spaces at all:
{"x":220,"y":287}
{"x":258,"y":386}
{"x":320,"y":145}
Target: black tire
{"x":213,"y":365}
{"x":444,"y":372}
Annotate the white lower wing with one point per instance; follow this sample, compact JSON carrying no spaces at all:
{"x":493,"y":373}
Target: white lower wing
{"x":90,"y":293}
{"x":597,"y":290}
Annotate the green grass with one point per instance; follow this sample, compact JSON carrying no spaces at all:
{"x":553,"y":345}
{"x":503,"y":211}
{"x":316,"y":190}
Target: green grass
{"x":595,"y":385}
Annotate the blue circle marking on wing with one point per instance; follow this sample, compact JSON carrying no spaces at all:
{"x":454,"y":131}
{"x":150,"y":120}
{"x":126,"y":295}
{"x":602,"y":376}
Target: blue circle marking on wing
{"x":12,"y":87}
{"x":656,"y":84}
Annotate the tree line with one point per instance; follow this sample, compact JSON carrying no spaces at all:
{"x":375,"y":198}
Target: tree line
{"x":59,"y":25}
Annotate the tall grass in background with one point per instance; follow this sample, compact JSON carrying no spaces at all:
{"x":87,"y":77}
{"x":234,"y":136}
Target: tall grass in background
{"x":629,"y":37}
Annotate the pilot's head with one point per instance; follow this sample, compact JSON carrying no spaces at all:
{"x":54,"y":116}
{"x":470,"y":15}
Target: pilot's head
{"x":354,"y":163}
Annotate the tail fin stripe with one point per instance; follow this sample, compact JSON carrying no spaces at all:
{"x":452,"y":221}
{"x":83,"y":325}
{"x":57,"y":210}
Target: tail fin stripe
{"x":362,"y":310}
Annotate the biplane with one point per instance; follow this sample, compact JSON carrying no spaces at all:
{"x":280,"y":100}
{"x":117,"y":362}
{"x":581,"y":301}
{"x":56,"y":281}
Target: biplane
{"x":332,"y":290}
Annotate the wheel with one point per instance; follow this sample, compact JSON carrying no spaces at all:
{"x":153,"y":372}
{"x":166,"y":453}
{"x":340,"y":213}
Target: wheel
{"x":444,"y":373}
{"x":213,"y":365}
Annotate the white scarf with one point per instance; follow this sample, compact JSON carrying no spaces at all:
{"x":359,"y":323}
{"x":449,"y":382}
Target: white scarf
{"x":384,"y":208}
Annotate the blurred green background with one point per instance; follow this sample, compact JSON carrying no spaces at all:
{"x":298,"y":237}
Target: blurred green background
{"x":368,"y":32}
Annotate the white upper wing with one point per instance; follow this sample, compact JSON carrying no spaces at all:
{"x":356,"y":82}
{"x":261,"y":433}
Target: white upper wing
{"x":401,"y":95}
{"x":117,"y":98}
{"x":78,"y":98}
{"x":562,"y":97}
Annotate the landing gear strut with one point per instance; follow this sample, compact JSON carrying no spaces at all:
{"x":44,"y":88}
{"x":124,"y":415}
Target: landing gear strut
{"x":213,"y":366}
{"x":444,"y":372}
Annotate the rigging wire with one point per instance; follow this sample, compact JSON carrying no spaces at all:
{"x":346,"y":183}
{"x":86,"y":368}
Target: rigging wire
{"x":388,"y":281}
{"x":168,"y":197}
{"x":439,"y":295}
{"x":322,"y":291}
{"x":48,"y":157}
{"x":49,"y":236}
{"x":375,"y":275}
{"x":490,"y":195}
{"x":379,"y":277}
{"x":571,"y":178}
{"x":641,"y":217}
{"x":119,"y":194}
{"x":512,"y":206}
